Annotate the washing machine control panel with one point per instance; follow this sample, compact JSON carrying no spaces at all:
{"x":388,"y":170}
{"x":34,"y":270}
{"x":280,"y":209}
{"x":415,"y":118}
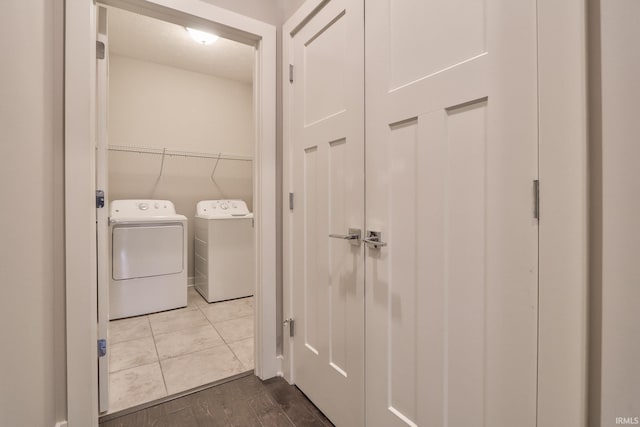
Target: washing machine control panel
{"x":222,"y":208}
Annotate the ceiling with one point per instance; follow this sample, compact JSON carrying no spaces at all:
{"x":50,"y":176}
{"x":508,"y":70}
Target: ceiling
{"x":148,"y":39}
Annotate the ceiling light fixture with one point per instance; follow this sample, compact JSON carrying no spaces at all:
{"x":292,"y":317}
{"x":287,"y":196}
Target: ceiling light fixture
{"x":201,"y":36}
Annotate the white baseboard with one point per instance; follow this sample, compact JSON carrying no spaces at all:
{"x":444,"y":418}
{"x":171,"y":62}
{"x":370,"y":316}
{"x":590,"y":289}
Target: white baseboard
{"x":61,"y":424}
{"x":192,"y":281}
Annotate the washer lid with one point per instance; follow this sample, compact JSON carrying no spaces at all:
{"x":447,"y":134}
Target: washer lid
{"x":219,"y":209}
{"x":143,"y":210}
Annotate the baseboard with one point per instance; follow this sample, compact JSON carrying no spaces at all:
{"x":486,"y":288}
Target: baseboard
{"x":61,"y":424}
{"x":192,"y":281}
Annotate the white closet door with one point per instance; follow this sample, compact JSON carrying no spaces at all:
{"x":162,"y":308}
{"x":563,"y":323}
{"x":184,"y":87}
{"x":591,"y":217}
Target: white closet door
{"x":328,"y":170}
{"x":102,"y":214}
{"x":451,"y":156}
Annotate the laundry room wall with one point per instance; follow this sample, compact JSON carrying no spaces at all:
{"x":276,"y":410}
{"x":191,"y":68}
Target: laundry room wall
{"x":159,"y":106}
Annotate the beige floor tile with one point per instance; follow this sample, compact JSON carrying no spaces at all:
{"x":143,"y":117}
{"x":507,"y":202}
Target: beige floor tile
{"x":243,"y":350}
{"x":176,"y":320}
{"x":194,"y":299}
{"x":135,"y":386}
{"x":128,"y":354}
{"x":202,"y":367}
{"x":129,"y":329}
{"x":235,"y":329}
{"x":187,"y":341}
{"x":227,"y":310}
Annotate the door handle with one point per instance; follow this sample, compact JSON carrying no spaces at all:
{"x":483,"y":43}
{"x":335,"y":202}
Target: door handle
{"x":374,"y":240}
{"x":353,"y":237}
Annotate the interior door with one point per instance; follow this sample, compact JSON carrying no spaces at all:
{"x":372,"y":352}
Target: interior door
{"x":328,"y":184}
{"x":102,"y":214}
{"x":451,"y":125}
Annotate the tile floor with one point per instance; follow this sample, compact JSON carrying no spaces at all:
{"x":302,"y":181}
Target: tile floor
{"x":161,"y":354}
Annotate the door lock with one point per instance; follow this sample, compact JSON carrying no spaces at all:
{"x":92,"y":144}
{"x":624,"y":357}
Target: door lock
{"x":374,"y":240}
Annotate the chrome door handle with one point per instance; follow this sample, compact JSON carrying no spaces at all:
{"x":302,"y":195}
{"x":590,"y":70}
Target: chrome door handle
{"x":353,"y":237}
{"x":374,"y":240}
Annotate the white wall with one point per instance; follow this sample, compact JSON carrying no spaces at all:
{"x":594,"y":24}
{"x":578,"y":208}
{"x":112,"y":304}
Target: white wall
{"x":32,"y":307}
{"x":154,"y":105}
{"x":162,"y":106}
{"x":615,"y":210}
{"x":32,"y":361}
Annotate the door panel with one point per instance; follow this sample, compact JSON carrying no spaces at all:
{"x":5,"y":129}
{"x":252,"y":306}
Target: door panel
{"x":451,"y":301}
{"x":324,"y":60}
{"x":102,"y":214}
{"x":328,"y":171}
{"x":451,"y":31}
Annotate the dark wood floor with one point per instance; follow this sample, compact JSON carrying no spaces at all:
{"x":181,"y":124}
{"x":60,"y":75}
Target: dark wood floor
{"x":246,"y":401}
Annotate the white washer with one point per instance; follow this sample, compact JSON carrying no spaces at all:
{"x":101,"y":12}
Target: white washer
{"x":224,"y":250}
{"x":148,"y":258}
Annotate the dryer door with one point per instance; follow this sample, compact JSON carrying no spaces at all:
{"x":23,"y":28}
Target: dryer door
{"x":147,"y":250}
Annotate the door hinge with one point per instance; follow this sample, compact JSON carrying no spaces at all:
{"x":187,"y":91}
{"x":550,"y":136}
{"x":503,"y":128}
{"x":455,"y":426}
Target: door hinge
{"x":102,"y":348}
{"x":99,"y":199}
{"x":100,"y":50}
{"x":536,"y":199}
{"x":290,"y":73}
{"x":291,"y":324}
{"x":290,"y":201}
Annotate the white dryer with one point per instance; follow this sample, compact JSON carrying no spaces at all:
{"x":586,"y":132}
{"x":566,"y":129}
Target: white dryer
{"x":224,"y":250}
{"x":148,"y":258}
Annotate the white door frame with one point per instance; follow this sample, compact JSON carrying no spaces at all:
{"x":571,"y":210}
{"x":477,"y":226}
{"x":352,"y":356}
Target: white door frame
{"x":80,"y":244}
{"x":562,"y":341}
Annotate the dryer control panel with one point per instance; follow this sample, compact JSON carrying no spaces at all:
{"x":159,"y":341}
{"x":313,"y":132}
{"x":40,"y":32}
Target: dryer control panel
{"x":142,"y":208}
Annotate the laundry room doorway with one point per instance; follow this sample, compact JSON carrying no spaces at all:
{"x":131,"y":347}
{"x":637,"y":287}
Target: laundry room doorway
{"x":183,"y":113}
{"x":176,"y":263}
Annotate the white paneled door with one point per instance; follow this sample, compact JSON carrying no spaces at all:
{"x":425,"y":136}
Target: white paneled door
{"x":450,"y":296}
{"x":328,"y":182}
{"x":102,"y":214}
{"x":451,"y":156}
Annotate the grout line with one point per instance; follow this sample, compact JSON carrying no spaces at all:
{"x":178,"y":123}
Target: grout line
{"x":192,"y":328}
{"x":236,"y":355}
{"x":164,"y":381}
{"x":181,"y":329}
{"x":227,"y":343}
{"x":130,"y":339}
{"x":195,"y":351}
{"x":133,"y":367}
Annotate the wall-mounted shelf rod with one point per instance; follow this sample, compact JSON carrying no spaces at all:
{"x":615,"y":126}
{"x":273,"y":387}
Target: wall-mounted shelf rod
{"x":177,"y":153}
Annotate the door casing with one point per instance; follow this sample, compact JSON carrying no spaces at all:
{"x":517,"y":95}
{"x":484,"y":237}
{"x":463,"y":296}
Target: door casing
{"x":562,"y":90}
{"x":80,"y":226}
